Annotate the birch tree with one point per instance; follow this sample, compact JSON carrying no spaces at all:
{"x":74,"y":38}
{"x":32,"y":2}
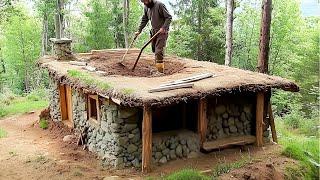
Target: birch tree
{"x":229,"y":29}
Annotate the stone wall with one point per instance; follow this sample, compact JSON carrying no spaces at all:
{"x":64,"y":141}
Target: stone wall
{"x":54,"y":100}
{"x":174,"y":144}
{"x":235,"y":118}
{"x":116,"y":138}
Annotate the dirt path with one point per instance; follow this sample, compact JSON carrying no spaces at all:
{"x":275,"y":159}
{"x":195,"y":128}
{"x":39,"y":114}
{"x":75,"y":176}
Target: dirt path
{"x":29,"y":152}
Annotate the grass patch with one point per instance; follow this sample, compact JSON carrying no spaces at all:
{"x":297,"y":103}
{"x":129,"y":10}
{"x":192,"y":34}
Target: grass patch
{"x":3,"y":133}
{"x":13,"y":153}
{"x":302,"y":148}
{"x":223,"y":168}
{"x":77,"y":173}
{"x":187,"y":174}
{"x":21,"y":105}
{"x":89,"y":80}
{"x":43,"y":124}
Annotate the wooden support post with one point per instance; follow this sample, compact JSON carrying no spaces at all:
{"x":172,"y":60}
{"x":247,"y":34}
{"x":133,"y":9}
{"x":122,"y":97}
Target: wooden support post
{"x":63,"y":102}
{"x":259,"y":118}
{"x":146,"y":139}
{"x":272,"y":125}
{"x":202,"y":120}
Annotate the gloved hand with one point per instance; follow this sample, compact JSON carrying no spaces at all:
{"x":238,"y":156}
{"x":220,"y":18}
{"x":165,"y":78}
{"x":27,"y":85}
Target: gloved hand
{"x":137,"y":33}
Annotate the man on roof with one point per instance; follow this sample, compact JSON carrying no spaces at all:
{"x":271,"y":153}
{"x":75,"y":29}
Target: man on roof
{"x":160,"y":18}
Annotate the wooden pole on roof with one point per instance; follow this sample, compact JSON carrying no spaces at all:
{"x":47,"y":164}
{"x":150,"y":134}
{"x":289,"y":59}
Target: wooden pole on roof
{"x":146,"y":139}
{"x":202,"y":120}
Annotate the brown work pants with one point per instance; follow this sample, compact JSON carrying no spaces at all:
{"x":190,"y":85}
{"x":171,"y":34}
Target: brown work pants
{"x":158,"y":45}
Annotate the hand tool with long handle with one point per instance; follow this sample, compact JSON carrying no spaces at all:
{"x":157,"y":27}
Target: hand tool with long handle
{"x":123,"y":58}
{"x":144,"y":46}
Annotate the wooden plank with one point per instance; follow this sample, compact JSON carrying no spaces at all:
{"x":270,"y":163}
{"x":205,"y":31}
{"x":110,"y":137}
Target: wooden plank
{"x":146,"y":139}
{"x":259,"y":118}
{"x":202,"y":120}
{"x":78,"y":63}
{"x":188,"y":80}
{"x":98,"y":108}
{"x":229,"y":141}
{"x":272,"y":125}
{"x":69,"y":105}
{"x":167,"y":88}
{"x":63,"y":102}
{"x":192,"y":77}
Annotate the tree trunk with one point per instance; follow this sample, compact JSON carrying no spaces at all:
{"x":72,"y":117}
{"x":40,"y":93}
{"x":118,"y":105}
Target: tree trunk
{"x":229,"y":27}
{"x":59,"y":19}
{"x":44,"y":35}
{"x":125,"y":21}
{"x":199,"y":28}
{"x":265,"y":36}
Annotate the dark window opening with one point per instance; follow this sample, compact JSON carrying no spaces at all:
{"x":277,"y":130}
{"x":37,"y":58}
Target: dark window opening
{"x":175,"y":117}
{"x":93,"y":107}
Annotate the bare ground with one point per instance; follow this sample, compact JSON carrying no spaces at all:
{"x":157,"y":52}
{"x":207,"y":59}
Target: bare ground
{"x":29,"y":152}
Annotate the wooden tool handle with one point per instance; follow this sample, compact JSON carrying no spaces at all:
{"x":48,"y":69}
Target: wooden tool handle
{"x":145,"y":45}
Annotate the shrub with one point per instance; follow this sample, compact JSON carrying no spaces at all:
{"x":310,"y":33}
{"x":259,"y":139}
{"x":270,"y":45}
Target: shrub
{"x":187,"y":174}
{"x":43,"y":124}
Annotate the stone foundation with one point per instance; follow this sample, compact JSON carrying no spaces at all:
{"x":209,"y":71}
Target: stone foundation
{"x":54,"y":100}
{"x":230,"y":119}
{"x":116,"y":138}
{"x":173,"y":145}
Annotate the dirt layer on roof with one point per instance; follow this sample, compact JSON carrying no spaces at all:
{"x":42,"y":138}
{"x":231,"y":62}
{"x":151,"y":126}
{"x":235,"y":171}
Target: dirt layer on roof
{"x":145,"y":67}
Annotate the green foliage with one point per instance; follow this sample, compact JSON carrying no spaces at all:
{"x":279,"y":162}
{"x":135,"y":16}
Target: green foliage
{"x":89,"y":80}
{"x":21,"y":48}
{"x":187,"y":174}
{"x":3,"y":133}
{"x":99,"y":34}
{"x":198,"y":32}
{"x":43,"y":124}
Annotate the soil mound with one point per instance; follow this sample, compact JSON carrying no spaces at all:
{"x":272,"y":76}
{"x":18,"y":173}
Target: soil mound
{"x":145,"y":67}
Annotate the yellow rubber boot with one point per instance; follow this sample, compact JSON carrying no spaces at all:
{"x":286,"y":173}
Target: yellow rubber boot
{"x":160,"y":67}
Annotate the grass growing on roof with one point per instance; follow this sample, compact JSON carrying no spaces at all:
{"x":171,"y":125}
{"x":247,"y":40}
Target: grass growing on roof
{"x":127,"y":91}
{"x":89,"y":80}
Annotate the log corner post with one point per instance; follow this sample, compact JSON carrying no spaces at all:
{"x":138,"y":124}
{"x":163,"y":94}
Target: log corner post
{"x":202,"y":120}
{"x":146,"y":139}
{"x":259,"y":118}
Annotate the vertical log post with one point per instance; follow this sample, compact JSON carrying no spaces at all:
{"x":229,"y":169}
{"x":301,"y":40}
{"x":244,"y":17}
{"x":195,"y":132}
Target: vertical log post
{"x":202,"y":120}
{"x":259,"y":118}
{"x":272,"y":125}
{"x":146,"y":139}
